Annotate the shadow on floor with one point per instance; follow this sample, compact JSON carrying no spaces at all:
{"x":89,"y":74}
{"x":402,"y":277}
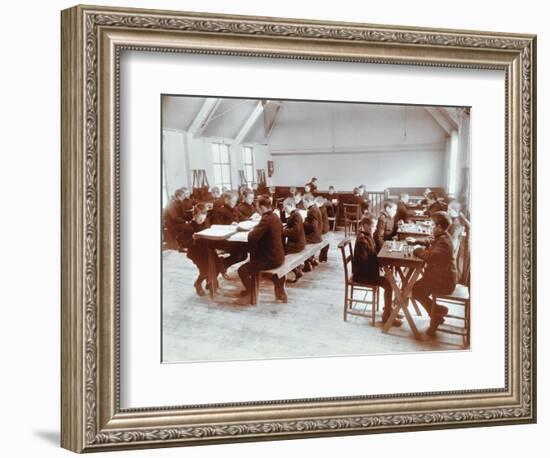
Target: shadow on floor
{"x":51,"y":437}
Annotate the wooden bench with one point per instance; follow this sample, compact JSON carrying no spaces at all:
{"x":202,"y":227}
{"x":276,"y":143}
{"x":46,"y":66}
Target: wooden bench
{"x":292,"y":261}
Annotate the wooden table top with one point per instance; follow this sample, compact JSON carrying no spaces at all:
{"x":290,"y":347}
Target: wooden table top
{"x":399,"y":257}
{"x":229,"y":232}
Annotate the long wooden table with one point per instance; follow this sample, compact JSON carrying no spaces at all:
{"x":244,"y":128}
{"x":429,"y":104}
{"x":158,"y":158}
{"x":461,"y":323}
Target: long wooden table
{"x":218,"y":237}
{"x":408,"y":267}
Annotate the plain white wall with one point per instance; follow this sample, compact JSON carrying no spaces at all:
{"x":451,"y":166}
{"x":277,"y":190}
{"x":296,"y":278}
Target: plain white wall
{"x":377,"y":170}
{"x":29,"y":183}
{"x":321,"y":125}
{"x":380,"y":146}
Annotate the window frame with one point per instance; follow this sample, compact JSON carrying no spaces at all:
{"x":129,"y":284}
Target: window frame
{"x":250,"y":165}
{"x":220,"y":164}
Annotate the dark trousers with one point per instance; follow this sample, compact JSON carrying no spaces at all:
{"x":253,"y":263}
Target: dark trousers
{"x":249,"y":269}
{"x":236,"y":254}
{"x":202,"y":264}
{"x":422,"y":291}
{"x":388,"y":293}
{"x":383,"y":283}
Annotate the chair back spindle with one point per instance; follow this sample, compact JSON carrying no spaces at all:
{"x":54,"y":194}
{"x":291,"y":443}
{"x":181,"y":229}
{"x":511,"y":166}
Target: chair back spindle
{"x":345,"y":246}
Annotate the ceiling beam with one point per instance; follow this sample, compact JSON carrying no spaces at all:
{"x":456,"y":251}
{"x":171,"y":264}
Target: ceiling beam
{"x":203,"y":117}
{"x":269,"y":124}
{"x":440,"y":119}
{"x":452,"y":116}
{"x":249,"y":122}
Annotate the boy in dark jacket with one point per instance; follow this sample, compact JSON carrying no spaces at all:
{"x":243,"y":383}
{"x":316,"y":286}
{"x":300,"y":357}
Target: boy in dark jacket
{"x":402,"y":213}
{"x":434,"y":205}
{"x":385,"y":228}
{"x":176,"y":215}
{"x":294,"y":232}
{"x":439,"y":275}
{"x":246,"y":208}
{"x":217,"y":197}
{"x":196,"y":247}
{"x":226,"y":213}
{"x":325,"y":227}
{"x":267,"y":249}
{"x":313,"y":227}
{"x":298,"y":199}
{"x":313,"y":224}
{"x":331,"y":202}
{"x":365,"y":265}
{"x":313,"y":185}
{"x":358,"y":199}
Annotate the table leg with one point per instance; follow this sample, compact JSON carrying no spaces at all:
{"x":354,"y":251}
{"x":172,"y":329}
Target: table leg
{"x":212,"y":274}
{"x":402,"y":299}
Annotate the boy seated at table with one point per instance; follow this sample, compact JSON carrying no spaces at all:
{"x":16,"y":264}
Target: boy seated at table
{"x":217,"y":198}
{"x":402,"y":213}
{"x":246,"y":208}
{"x":313,"y":227}
{"x":358,"y":199}
{"x":332,"y":201}
{"x":298,"y":199}
{"x":267,"y":250}
{"x":424,"y":201}
{"x":313,"y":185}
{"x":226,"y":213}
{"x":325,"y":227}
{"x":434,"y":205}
{"x":294,"y":232}
{"x":175,"y":216}
{"x":386,"y":227}
{"x":365,"y":266}
{"x":196,"y":247}
{"x":440,"y":275}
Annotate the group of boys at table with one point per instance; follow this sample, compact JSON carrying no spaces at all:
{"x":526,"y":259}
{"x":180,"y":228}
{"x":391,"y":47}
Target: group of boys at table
{"x":430,"y":255}
{"x":306,"y":220}
{"x":267,"y":240}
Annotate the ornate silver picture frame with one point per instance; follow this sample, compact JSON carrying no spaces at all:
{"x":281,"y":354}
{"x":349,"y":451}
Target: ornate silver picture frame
{"x":93,"y":39}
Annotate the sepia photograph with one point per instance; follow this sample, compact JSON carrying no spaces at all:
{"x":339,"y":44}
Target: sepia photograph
{"x":294,"y":228}
{"x":266,"y":227}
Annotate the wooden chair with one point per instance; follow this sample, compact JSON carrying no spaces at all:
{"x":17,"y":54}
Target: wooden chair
{"x":352,"y":216}
{"x":352,"y":287}
{"x":332,"y":222}
{"x":459,"y":298}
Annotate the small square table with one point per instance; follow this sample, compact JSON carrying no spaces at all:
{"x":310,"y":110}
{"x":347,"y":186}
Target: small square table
{"x":398,"y":256}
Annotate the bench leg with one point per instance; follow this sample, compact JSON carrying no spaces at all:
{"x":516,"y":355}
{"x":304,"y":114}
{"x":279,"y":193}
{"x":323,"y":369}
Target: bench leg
{"x":323,"y":254}
{"x":254,"y":288}
{"x":279,"y":287}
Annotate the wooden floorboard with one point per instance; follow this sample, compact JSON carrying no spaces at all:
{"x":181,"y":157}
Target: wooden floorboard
{"x":310,"y":325}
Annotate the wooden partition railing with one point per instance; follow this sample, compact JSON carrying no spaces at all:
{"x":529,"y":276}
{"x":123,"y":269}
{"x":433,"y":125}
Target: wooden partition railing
{"x":376,"y":199}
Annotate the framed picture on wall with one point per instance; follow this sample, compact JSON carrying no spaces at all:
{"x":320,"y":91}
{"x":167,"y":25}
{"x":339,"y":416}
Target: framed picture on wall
{"x":242,"y":253}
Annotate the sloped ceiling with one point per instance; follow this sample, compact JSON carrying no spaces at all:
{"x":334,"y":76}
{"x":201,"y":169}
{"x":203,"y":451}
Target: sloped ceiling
{"x":281,"y":120}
